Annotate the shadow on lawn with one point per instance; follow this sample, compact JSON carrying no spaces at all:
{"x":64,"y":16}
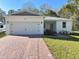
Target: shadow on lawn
{"x":68,"y":38}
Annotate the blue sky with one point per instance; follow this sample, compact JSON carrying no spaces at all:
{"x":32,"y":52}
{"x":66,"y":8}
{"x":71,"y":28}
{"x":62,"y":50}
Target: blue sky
{"x":17,"y":4}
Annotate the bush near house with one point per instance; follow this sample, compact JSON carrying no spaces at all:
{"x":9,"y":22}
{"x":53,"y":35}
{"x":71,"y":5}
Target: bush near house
{"x":63,"y":48}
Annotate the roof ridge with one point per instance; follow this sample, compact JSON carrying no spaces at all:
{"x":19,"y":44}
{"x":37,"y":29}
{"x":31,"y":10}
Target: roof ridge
{"x":25,"y":13}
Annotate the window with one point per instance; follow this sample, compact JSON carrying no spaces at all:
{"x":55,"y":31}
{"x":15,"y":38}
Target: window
{"x":64,"y":24}
{"x":1,"y":26}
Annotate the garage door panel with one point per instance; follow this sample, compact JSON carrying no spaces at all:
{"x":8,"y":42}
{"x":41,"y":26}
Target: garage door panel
{"x":17,"y":28}
{"x":34,"y":28}
{"x":25,"y":28}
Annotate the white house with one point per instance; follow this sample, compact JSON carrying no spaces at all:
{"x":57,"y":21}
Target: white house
{"x":26,"y":23}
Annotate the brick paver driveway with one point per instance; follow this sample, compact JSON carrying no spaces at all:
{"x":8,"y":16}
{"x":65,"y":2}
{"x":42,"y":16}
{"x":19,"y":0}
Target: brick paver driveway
{"x":17,"y":47}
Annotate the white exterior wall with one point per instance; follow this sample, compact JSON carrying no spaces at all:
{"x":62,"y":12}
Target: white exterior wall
{"x":24,"y":18}
{"x":11,"y":19}
{"x":59,"y":27}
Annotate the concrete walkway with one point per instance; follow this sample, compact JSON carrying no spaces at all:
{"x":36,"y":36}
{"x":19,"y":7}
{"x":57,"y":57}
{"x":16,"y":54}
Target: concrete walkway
{"x":17,"y":47}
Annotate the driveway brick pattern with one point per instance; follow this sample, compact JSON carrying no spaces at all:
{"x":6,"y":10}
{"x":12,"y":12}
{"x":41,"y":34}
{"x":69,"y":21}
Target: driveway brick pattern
{"x":18,"y":47}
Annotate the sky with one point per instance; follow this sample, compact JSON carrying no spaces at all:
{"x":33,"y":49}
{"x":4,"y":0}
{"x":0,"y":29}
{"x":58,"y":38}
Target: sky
{"x":17,"y":4}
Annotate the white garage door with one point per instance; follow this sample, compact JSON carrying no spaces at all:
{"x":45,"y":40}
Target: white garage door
{"x":25,"y":28}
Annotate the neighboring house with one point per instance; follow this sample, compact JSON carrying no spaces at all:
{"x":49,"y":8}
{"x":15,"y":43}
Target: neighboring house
{"x":26,"y":23}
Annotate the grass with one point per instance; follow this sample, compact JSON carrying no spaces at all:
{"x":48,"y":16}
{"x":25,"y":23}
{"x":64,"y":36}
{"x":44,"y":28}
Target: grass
{"x":75,"y":36}
{"x":63,"y":48}
{"x":2,"y":34}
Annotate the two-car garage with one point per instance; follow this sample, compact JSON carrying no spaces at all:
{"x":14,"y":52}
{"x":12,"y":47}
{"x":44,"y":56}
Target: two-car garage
{"x":24,"y":25}
{"x":25,"y":28}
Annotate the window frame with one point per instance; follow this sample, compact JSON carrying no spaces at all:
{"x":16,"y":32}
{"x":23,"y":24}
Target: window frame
{"x":63,"y":24}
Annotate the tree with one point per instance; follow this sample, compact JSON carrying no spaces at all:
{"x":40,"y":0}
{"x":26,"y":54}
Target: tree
{"x":11,"y":12}
{"x":75,"y":16}
{"x":67,"y":11}
{"x":18,"y":10}
{"x":29,"y":6}
{"x":51,"y":13}
{"x":71,"y":10}
{"x":46,"y":10}
{"x":2,"y":14}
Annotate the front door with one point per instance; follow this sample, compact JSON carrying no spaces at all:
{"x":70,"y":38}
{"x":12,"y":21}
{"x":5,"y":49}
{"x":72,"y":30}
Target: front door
{"x":51,"y":27}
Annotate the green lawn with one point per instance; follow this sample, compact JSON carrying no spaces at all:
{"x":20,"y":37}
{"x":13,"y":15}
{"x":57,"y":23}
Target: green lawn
{"x":63,"y":48}
{"x":2,"y":34}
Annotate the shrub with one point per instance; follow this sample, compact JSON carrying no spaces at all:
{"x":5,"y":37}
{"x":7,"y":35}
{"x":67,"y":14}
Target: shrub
{"x":64,"y":32}
{"x":47,"y":32}
{"x":2,"y":34}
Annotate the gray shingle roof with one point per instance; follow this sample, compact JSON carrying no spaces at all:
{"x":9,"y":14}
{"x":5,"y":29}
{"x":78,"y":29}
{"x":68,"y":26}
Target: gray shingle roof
{"x":25,"y":14}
